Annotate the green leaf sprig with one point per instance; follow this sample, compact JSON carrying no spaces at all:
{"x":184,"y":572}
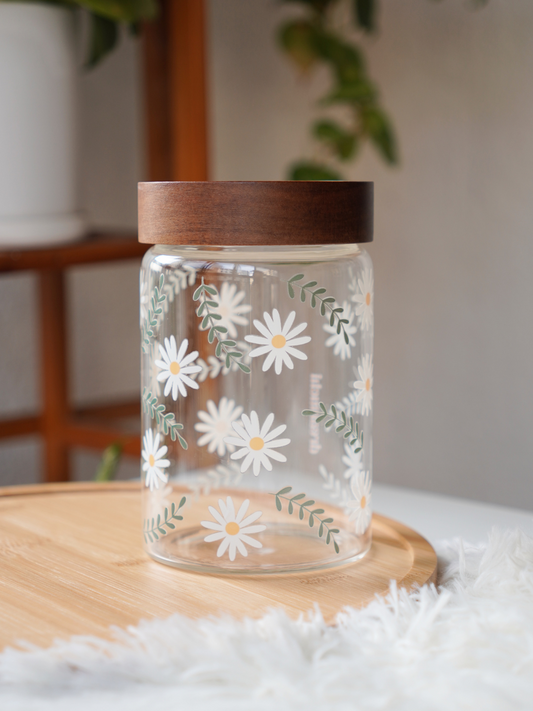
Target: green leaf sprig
{"x":154,"y":311}
{"x":345,"y":424}
{"x":154,"y":527}
{"x":327,"y":303}
{"x":304,"y":507}
{"x":166,"y":420}
{"x":226,"y":348}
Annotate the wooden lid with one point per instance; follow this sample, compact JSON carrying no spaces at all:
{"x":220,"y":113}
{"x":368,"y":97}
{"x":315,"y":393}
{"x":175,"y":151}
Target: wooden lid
{"x":256,"y":213}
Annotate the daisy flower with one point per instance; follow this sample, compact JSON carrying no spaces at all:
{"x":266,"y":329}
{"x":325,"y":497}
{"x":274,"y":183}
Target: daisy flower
{"x":231,"y":309}
{"x":278,"y":341}
{"x":365,"y":370}
{"x":217,"y":424}
{"x":154,"y":464}
{"x":233,"y":530}
{"x":256,"y":444}
{"x":352,"y":461}
{"x":340,"y":347}
{"x":363,"y":296}
{"x":360,"y":506}
{"x":175,"y":366}
{"x":159,"y":500}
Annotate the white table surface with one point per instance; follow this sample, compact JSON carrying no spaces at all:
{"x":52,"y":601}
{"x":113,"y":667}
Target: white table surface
{"x":438,"y":517}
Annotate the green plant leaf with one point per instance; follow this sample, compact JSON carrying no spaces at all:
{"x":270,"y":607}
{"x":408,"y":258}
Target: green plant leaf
{"x":297,"y":38}
{"x":103,"y":36}
{"x":341,"y":142}
{"x":356,"y":92}
{"x":108,"y":466}
{"x":378,"y":126}
{"x":307,"y":170}
{"x":122,"y":10}
{"x":365,"y":14}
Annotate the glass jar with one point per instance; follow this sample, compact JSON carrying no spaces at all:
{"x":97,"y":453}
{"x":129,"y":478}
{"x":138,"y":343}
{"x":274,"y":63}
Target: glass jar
{"x":257,"y":374}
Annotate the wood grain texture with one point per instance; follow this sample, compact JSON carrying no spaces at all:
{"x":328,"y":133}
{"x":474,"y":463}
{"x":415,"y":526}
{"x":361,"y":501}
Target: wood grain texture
{"x":256,"y":213}
{"x":72,"y":562}
{"x":175,"y":92}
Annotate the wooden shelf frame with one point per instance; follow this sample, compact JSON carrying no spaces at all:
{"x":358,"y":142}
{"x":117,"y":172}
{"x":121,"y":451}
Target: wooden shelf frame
{"x":61,"y":425}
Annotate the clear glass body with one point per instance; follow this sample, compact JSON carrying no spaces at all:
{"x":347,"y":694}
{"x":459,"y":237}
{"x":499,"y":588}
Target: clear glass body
{"x":257,"y":378}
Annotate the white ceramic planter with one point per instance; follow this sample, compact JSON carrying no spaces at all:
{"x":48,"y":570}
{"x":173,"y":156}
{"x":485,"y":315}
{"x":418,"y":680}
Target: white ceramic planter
{"x":38,"y":68}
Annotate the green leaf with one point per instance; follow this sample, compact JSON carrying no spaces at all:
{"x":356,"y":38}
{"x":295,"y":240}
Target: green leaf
{"x":278,"y":504}
{"x":198,"y":293}
{"x":291,"y":508}
{"x":307,"y":170}
{"x":296,"y":277}
{"x":311,"y":520}
{"x":108,"y":466}
{"x":103,"y":38}
{"x":211,"y":290}
{"x":291,"y":291}
{"x":345,"y":58}
{"x":182,"y":502}
{"x":321,"y":530}
{"x":378,"y":126}
{"x":341,"y":142}
{"x":365,"y":14}
{"x":301,"y":514}
{"x":122,"y":10}
{"x":308,"y":503}
{"x":244,"y":368}
{"x":284,"y":491}
{"x":297,"y":38}
{"x":298,"y":497}
{"x":336,"y":546}
{"x":308,"y":413}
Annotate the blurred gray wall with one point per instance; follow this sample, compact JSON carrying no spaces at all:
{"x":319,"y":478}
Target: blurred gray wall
{"x":452,"y":251}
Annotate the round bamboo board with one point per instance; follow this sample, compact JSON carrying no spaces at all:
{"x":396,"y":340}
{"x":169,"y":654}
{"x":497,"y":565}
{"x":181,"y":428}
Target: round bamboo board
{"x":72,"y":562}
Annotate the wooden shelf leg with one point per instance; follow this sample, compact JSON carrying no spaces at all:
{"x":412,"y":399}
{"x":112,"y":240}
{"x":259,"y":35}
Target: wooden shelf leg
{"x":54,"y":374}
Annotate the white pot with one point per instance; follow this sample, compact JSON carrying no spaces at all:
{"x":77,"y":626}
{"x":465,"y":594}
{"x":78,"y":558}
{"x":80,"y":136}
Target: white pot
{"x":38,"y":76}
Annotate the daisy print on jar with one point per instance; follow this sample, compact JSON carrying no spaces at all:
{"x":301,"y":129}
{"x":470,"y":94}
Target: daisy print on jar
{"x":176,"y":367}
{"x":278,"y":342}
{"x":216,"y":424}
{"x":342,"y":339}
{"x":363,"y":296}
{"x":359,"y":508}
{"x":257,"y":444}
{"x":363,"y":386}
{"x":154,"y":464}
{"x":233,"y":529}
{"x":230,"y":308}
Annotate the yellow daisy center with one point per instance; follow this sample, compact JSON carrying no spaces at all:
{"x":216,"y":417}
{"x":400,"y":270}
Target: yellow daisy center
{"x":367,"y":384}
{"x":151,"y":460}
{"x":174,"y":368}
{"x":279,"y":341}
{"x":232,"y":528}
{"x":256,"y":443}
{"x":363,"y":502}
{"x":367,"y":299}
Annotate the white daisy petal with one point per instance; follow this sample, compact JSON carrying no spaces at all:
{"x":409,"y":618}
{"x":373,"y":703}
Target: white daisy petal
{"x":257,"y":442}
{"x":277,"y":341}
{"x":154,"y":464}
{"x":175,"y":365}
{"x":233,"y":534}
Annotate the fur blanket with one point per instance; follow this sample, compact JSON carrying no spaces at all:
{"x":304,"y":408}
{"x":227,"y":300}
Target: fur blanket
{"x":467,"y":644}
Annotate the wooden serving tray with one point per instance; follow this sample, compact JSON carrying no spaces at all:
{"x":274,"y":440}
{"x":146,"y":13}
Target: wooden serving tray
{"x":72,"y":562}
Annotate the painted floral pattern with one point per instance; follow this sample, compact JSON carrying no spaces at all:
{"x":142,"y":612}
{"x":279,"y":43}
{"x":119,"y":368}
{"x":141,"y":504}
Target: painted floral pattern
{"x":233,"y":530}
{"x":352,"y":461}
{"x":337,"y":341}
{"x":363,"y":386}
{"x":360,"y":507}
{"x":278,"y":341}
{"x":154,"y":464}
{"x":363,"y":297}
{"x":231,"y":309}
{"x":216,"y":424}
{"x":257,"y":444}
{"x":177,"y":367}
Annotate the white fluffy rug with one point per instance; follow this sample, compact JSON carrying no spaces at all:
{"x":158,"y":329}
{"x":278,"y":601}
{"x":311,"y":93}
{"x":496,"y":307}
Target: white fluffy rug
{"x":467,"y":645}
